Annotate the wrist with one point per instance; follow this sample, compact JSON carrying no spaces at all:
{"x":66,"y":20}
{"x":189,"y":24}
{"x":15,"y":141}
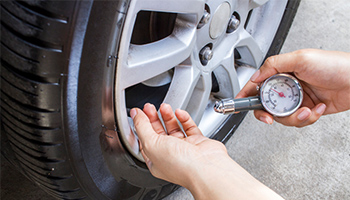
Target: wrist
{"x":206,"y":175}
{"x":225,"y":179}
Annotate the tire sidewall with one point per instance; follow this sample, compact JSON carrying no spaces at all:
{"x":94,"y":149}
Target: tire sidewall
{"x":85,"y":128}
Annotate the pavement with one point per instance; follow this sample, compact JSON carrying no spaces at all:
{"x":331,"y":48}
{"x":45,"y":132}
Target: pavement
{"x":301,"y":163}
{"x":298,"y":163}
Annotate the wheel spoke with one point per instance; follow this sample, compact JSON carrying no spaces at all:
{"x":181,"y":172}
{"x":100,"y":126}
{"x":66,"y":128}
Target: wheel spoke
{"x":256,"y":3}
{"x":181,"y":89}
{"x":249,"y":50}
{"x":228,"y":80}
{"x":150,"y":60}
{"x":172,"y":6}
{"x":200,"y":97}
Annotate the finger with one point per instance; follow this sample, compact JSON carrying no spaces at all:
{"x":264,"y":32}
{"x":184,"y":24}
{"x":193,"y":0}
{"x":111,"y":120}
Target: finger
{"x":142,"y":125}
{"x":276,"y":64}
{"x":263,"y":116}
{"x":316,"y":113}
{"x":297,"y":118}
{"x":248,"y":90}
{"x":304,"y":116}
{"x":187,"y":123}
{"x":170,"y":121}
{"x":151,"y":112}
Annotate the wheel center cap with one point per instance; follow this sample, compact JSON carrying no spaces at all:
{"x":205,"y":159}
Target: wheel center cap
{"x":220,"y":20}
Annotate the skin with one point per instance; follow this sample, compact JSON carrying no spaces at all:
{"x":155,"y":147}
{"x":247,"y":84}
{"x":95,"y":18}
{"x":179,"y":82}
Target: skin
{"x":202,"y":165}
{"x":195,"y":162}
{"x":324,"y":76}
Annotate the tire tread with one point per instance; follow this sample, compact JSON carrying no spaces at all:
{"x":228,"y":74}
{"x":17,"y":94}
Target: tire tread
{"x":34,"y":36}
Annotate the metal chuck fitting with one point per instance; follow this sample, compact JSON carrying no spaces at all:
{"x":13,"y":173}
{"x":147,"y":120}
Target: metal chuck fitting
{"x":230,"y":106}
{"x":225,"y":106}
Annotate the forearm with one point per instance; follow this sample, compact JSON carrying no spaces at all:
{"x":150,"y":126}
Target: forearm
{"x":227,"y":180}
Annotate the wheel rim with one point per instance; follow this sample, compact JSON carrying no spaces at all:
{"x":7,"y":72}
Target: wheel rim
{"x":173,"y":65}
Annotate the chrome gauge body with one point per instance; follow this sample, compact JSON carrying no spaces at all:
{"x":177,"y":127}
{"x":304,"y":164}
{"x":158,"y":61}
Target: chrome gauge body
{"x":281,"y":95}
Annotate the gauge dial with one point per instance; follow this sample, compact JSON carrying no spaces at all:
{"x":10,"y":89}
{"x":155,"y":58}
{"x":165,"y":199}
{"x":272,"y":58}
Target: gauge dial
{"x":281,"y":95}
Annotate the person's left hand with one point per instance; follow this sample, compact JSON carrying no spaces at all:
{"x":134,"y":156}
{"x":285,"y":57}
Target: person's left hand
{"x":195,"y":162}
{"x":169,"y":154}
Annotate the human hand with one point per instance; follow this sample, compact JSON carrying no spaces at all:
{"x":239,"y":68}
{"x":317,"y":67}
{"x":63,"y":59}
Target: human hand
{"x":170,"y":155}
{"x":195,"y":162}
{"x":324,"y":76}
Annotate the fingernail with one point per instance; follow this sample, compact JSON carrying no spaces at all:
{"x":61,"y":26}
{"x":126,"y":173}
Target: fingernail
{"x":147,"y":105}
{"x":133,"y":113}
{"x":321,"y":108}
{"x":255,"y":76}
{"x":303,"y":115}
{"x":266,"y":120}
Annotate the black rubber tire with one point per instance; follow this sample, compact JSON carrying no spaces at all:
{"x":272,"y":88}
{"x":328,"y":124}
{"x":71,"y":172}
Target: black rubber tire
{"x":53,"y":55}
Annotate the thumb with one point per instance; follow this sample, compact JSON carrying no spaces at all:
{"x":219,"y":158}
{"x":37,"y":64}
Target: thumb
{"x":277,"y":64}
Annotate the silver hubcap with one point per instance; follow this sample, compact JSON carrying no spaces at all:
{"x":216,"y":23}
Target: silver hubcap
{"x":231,"y":57}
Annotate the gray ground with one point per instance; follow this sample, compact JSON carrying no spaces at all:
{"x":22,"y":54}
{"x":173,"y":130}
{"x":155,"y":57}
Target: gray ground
{"x":311,"y":162}
{"x":306,"y":163}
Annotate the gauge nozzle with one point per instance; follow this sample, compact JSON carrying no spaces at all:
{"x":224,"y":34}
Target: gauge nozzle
{"x":230,"y":106}
{"x":225,"y":106}
{"x":219,"y":107}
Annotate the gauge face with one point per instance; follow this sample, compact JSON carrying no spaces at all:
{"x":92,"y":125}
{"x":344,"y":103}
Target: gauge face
{"x":281,"y":95}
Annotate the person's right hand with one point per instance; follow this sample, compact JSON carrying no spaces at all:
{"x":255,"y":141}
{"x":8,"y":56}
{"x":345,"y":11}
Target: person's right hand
{"x":324,"y":76}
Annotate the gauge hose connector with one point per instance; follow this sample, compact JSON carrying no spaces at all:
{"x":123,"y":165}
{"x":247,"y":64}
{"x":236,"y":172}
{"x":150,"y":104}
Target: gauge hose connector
{"x":231,"y":106}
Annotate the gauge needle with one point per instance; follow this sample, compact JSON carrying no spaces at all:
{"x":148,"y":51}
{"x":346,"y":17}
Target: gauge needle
{"x":281,"y":94}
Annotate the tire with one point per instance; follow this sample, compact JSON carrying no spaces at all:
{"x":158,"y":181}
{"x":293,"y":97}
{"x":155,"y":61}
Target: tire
{"x":65,"y":90}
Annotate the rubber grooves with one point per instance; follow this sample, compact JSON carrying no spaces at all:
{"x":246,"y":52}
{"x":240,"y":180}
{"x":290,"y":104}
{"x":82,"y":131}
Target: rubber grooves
{"x":34,"y":35}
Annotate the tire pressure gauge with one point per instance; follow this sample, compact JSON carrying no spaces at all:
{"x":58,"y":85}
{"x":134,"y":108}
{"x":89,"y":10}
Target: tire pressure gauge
{"x":281,"y":95}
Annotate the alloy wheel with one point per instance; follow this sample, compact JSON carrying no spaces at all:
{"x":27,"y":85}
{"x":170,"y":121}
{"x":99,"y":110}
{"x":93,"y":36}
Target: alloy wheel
{"x":189,"y":54}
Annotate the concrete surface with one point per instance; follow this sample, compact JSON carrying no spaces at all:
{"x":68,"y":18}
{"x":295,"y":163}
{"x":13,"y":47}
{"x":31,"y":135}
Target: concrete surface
{"x":311,"y":162}
{"x":306,"y":163}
